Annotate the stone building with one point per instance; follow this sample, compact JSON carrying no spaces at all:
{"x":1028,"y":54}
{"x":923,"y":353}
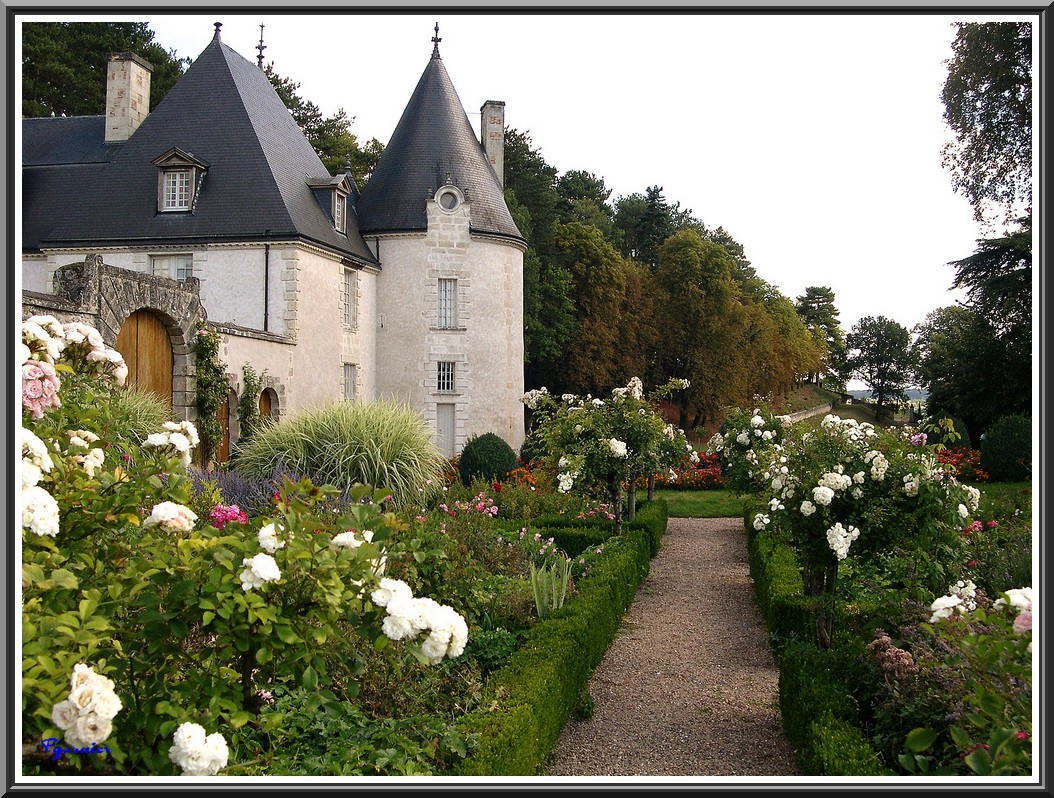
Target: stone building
{"x":215,"y":208}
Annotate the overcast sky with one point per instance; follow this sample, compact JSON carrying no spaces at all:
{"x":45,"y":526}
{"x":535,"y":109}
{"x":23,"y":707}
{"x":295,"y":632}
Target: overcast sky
{"x":813,"y":139}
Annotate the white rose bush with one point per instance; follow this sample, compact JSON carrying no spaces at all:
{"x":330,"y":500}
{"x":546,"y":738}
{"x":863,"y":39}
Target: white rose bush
{"x":144,"y":624}
{"x":602,"y":446}
{"x":847,"y":492}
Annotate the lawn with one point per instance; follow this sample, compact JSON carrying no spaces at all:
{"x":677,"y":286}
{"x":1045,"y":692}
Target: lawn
{"x":702,"y":503}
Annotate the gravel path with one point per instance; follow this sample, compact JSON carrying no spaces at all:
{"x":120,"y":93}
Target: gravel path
{"x":689,"y":686}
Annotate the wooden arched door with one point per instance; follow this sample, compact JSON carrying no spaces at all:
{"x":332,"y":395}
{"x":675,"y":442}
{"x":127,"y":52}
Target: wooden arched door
{"x":144,"y":343}
{"x":223,"y":415}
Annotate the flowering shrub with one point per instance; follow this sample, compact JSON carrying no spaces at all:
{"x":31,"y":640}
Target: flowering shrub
{"x":991,"y":734}
{"x":602,"y":444}
{"x":849,"y":487}
{"x":168,"y":623}
{"x":744,"y":444}
{"x":964,"y":463}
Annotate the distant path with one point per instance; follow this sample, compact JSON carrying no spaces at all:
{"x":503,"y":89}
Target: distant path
{"x":812,"y":411}
{"x":689,"y":687}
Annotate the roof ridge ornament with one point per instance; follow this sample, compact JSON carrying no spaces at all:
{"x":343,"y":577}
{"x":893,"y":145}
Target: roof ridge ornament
{"x":435,"y":42}
{"x":260,"y":48}
{"x":216,"y":35}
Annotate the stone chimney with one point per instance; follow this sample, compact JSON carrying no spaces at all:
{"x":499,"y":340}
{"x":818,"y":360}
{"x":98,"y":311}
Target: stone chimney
{"x":127,"y":95}
{"x":492,"y":133}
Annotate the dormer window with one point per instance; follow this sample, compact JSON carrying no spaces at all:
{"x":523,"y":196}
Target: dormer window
{"x":175,"y":195}
{"x":340,"y":204}
{"x":332,"y":194}
{"x":178,"y":181}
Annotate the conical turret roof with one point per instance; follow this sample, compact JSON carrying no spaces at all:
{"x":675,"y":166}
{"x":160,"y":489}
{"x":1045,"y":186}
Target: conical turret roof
{"x":433,"y":145}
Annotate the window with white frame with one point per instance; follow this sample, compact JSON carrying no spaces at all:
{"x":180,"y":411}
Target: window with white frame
{"x":447,"y":303}
{"x":175,"y":267}
{"x":340,"y":202}
{"x":445,"y":376}
{"x":351,"y":377}
{"x":176,"y":193}
{"x":349,"y":296}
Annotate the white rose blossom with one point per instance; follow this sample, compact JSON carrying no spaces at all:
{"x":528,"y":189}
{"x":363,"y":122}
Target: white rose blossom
{"x":260,"y":568}
{"x":198,"y":754}
{"x":268,"y":538}
{"x":171,"y":517}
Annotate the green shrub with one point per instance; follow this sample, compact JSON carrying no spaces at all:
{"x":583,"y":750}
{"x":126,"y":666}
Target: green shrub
{"x":1006,"y":449}
{"x":486,"y":456}
{"x":383,"y":444}
{"x":933,"y":435}
{"x":533,"y":448}
{"x":835,"y":747}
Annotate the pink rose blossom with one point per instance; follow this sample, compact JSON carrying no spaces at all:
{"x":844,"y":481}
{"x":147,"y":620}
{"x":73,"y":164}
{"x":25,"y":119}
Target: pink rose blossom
{"x":40,"y":387}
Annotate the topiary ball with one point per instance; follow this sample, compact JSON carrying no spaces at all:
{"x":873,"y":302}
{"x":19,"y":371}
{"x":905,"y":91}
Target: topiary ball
{"x":486,"y":456}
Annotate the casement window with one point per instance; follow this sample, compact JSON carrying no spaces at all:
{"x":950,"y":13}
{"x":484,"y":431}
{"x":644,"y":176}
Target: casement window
{"x":351,"y":376}
{"x":340,"y":204}
{"x":176,"y":193}
{"x":349,"y":297}
{"x":175,"y":267}
{"x":447,"y":303}
{"x":178,"y":181}
{"x":445,"y":376}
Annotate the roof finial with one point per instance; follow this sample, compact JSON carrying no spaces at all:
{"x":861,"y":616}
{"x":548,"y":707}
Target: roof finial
{"x":435,"y":41}
{"x":218,"y":25}
{"x":260,"y":48}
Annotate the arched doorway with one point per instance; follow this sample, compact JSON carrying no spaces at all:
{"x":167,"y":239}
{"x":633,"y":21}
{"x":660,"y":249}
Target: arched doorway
{"x":144,"y":342}
{"x":223,"y":416}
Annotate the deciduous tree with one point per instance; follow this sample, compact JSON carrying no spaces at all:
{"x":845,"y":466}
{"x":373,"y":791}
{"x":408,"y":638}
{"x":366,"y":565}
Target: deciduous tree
{"x":880,"y":356}
{"x":987,"y":98}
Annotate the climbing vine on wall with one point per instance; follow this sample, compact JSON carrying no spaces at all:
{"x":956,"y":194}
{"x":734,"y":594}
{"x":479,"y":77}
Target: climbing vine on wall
{"x":249,"y":420}
{"x":211,"y":381}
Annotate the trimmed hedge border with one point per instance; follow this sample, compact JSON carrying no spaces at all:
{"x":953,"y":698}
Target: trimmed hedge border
{"x":820,"y":715}
{"x":527,"y":702}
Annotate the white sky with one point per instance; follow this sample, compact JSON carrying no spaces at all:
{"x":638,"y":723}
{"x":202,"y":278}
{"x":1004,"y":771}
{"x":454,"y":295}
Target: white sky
{"x":814,"y":139}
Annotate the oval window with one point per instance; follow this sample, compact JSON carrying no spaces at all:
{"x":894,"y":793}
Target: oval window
{"x":448,"y":200}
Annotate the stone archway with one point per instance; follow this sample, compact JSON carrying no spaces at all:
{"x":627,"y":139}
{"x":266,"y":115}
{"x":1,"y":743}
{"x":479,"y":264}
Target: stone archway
{"x":143,"y":340}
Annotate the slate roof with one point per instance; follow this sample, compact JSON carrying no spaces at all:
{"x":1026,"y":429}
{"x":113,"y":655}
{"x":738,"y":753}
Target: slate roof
{"x":434,"y":140}
{"x":224,"y":112}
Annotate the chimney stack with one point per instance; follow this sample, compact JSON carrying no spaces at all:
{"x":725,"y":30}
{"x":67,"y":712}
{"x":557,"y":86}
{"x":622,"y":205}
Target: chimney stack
{"x":492,"y":132}
{"x":127,"y":95}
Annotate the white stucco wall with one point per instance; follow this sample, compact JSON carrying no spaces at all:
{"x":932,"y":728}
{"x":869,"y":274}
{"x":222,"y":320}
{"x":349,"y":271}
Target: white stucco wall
{"x":487,"y":345}
{"x":305,"y":289}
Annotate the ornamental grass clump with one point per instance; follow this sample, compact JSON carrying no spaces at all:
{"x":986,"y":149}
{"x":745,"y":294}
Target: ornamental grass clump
{"x":386,"y":444}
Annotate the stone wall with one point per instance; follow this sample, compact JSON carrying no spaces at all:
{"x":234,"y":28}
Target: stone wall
{"x":105,"y":296}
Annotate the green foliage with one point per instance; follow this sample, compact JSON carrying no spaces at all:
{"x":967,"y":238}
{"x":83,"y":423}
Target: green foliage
{"x":987,"y":98}
{"x":880,"y":356}
{"x":835,"y":747}
{"x":946,"y":431}
{"x":318,"y":723}
{"x":550,"y":582}
{"x":64,"y":65}
{"x":1006,"y":449}
{"x":376,"y":443}
{"x":137,"y":412}
{"x":249,"y":420}
{"x":210,"y":380}
{"x":491,"y":647}
{"x":487,"y":456}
